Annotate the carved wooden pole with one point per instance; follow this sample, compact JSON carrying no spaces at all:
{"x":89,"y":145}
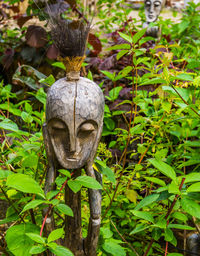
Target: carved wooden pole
{"x":74,"y":121}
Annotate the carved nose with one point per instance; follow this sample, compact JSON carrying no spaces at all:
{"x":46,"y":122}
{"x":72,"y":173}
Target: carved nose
{"x":72,"y":144}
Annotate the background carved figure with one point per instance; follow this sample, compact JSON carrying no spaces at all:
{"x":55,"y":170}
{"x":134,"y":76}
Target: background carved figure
{"x":152,"y":12}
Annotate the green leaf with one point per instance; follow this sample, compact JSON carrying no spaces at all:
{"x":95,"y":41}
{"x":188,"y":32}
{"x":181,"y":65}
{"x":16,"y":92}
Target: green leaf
{"x":173,"y":188}
{"x":65,"y":172}
{"x":41,"y":96}
{"x":164,"y":168}
{"x":59,"y":65}
{"x":146,"y":201}
{"x":111,"y":76}
{"x":113,"y":248}
{"x":190,"y":207}
{"x":37,"y":238}
{"x":63,"y":208}
{"x":184,"y":77}
{"x":168,"y":234}
{"x":139,"y":228}
{"x":27,"y":118}
{"x":156,"y":180}
{"x":5,"y":173}
{"x":143,"y":215}
{"x":37,"y":249}
{"x":30,"y":161}
{"x":194,"y":188}
{"x":174,"y":254}
{"x":180,"y":216}
{"x":48,"y":80}
{"x":9,"y":125}
{"x":138,"y":35}
{"x":119,"y":47}
{"x":18,"y":243}
{"x":126,"y":37}
{"x":74,"y":185}
{"x":156,"y":80}
{"x":114,"y":93}
{"x":61,"y":251}
{"x":31,"y":205}
{"x":88,"y":182}
{"x":105,"y":170}
{"x":179,"y":226}
{"x":121,"y":54}
{"x":24,"y":183}
{"x":55,"y":234}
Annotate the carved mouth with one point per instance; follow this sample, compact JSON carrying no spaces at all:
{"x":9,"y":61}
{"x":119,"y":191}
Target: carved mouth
{"x":151,"y":16}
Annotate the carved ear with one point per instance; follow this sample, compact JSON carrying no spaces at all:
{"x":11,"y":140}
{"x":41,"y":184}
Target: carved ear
{"x":92,"y":156}
{"x":47,"y":143}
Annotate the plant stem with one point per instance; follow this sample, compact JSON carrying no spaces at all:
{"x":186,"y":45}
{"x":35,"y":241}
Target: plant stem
{"x":167,"y":215}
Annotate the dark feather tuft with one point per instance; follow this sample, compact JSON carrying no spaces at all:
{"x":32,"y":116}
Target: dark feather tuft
{"x":70,"y":37}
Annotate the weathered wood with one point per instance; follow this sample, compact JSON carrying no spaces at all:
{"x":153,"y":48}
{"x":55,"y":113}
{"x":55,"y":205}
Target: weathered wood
{"x":74,"y":121}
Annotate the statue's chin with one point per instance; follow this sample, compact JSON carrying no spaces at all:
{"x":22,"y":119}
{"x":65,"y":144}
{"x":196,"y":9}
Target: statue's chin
{"x":151,"y":18}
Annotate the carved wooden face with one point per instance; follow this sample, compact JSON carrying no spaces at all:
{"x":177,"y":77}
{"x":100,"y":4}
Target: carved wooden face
{"x":74,"y":120}
{"x":153,"y":9}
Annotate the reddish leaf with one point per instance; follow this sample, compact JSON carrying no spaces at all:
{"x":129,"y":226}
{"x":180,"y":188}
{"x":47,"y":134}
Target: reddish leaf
{"x":36,"y":36}
{"x":21,"y":20}
{"x":52,"y":52}
{"x":8,"y":58}
{"x":96,"y":44}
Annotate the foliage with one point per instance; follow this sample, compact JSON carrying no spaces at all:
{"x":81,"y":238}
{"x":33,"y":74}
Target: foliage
{"x":149,"y":154}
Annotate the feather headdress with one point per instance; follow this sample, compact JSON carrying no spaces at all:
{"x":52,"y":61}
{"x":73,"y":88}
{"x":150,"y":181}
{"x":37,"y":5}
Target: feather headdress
{"x":70,"y":38}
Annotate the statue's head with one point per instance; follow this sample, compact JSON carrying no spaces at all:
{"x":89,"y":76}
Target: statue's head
{"x":153,"y":9}
{"x":74,"y":116}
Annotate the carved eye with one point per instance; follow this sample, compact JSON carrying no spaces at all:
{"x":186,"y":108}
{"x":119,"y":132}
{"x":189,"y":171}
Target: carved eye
{"x":147,"y":3}
{"x":86,"y":129}
{"x":58,"y":125}
{"x":157,"y":4}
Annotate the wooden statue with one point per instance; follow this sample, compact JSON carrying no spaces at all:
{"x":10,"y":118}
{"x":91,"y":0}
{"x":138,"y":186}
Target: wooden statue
{"x":152,"y":12}
{"x":74,"y":121}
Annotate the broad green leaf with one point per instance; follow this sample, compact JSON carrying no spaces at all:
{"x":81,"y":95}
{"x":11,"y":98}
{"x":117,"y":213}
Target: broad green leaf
{"x":63,"y":208}
{"x":55,"y":234}
{"x":156,"y":180}
{"x":61,"y":251}
{"x":114,"y":93}
{"x":168,"y":234}
{"x":138,"y":35}
{"x":131,"y":195}
{"x":147,"y":201}
{"x":48,"y":80}
{"x":65,"y":172}
{"x":192,"y":177}
{"x":37,"y":249}
{"x":5,"y":173}
{"x":17,"y":241}
{"x":184,"y":77}
{"x":31,"y":205}
{"x":37,"y":238}
{"x":179,"y":226}
{"x":9,"y":125}
{"x":143,"y":215}
{"x":74,"y":185}
{"x":126,"y":37}
{"x":106,"y":232}
{"x":191,"y":207}
{"x":180,"y":216}
{"x":156,"y":80}
{"x":24,"y":183}
{"x":88,"y":182}
{"x":194,"y":188}
{"x":139,"y":228}
{"x":27,"y":118}
{"x":173,"y":188}
{"x":164,"y":168}
{"x":174,"y":254}
{"x":113,"y":248}
{"x":111,"y":76}
{"x":30,"y":161}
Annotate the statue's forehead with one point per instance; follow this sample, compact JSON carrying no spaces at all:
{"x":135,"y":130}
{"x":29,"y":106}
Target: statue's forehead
{"x":153,"y":1}
{"x":80,"y":100}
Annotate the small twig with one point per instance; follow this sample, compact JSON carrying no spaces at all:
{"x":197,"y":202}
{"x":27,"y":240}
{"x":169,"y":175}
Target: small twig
{"x":133,"y":249}
{"x":166,"y":248}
